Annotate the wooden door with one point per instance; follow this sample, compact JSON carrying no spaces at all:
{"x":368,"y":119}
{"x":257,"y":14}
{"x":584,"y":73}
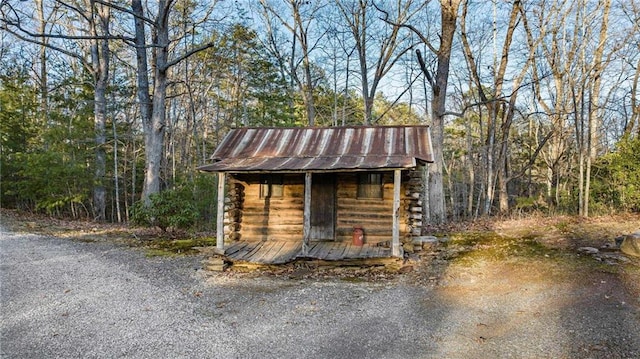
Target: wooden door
{"x":323,"y":207}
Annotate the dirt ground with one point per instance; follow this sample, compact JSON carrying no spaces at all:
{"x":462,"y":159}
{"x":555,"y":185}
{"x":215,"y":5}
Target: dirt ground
{"x":547,"y":246}
{"x":502,"y":283}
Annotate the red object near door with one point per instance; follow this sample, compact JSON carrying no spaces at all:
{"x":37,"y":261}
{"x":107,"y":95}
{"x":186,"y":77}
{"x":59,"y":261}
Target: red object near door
{"x":358,"y":236}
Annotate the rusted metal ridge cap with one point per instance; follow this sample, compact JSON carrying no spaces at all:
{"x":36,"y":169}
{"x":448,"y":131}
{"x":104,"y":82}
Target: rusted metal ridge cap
{"x":321,"y":149}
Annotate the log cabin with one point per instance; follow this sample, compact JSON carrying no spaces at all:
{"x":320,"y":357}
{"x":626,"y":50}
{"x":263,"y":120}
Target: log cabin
{"x":311,"y":185}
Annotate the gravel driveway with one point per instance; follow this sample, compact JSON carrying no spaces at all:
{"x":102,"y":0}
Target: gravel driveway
{"x":71,"y":299}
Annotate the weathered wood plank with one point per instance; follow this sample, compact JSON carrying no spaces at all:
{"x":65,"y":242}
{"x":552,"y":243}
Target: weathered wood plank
{"x":306,"y":228}
{"x":278,"y":252}
{"x":336,"y":251}
{"x":282,"y":251}
{"x":313,"y":246}
{"x":322,"y":249}
{"x":288,"y":252}
{"x":236,"y":247}
{"x":352,"y":251}
{"x":220,"y":214}
{"x":251,"y":250}
{"x":395,"y":245}
{"x":268,"y":252}
{"x":270,"y":228}
{"x":364,"y":251}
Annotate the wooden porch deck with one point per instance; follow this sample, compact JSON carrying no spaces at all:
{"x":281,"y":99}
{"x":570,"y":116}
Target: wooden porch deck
{"x":280,"y":252}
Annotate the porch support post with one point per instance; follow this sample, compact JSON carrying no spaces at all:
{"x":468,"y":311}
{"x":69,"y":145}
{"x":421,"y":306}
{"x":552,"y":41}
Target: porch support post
{"x":306,"y":230}
{"x":395,"y":239}
{"x":220,"y":213}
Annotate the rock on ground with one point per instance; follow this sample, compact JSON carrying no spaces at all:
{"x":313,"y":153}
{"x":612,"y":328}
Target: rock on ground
{"x":631,"y":245}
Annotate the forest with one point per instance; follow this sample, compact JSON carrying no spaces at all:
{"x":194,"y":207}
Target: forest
{"x":108,"y":106}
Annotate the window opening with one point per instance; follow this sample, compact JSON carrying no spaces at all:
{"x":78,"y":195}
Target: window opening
{"x":271,"y":186}
{"x":370,"y":185}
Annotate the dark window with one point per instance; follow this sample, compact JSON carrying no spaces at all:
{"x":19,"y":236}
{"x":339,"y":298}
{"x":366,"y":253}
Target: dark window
{"x":370,"y":185}
{"x":271,"y":186}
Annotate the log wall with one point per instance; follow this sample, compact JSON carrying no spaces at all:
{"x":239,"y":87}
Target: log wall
{"x":414,"y":197}
{"x":249,"y":217}
{"x":272,"y":218}
{"x":375,"y":216}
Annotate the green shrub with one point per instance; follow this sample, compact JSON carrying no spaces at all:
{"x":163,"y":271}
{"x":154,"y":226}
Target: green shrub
{"x":616,"y":179}
{"x":167,"y":210}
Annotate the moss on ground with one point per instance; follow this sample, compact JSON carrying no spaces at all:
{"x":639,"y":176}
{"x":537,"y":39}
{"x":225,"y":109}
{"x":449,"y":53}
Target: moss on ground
{"x":173,"y":247}
{"x":472,"y":246}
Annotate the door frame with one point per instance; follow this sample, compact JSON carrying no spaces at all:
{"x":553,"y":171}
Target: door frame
{"x":325,"y":184}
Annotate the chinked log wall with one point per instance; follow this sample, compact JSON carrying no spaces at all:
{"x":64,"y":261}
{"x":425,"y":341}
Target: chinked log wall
{"x":374,"y":215}
{"x":249,"y":217}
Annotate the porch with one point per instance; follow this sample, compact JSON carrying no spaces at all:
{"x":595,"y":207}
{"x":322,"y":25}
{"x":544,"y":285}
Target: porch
{"x":280,"y":252}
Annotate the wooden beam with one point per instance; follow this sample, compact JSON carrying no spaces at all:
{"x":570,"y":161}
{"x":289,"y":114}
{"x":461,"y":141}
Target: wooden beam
{"x":395,"y":239}
{"x":306,"y":230}
{"x":220,"y":214}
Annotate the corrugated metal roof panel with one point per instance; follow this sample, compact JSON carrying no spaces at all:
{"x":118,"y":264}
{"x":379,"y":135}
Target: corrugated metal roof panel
{"x":321,"y":149}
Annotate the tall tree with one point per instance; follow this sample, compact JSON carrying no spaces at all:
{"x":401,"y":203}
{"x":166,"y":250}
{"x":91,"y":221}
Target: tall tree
{"x":386,"y":46}
{"x":301,"y":17}
{"x":500,"y":106}
{"x":95,"y":22}
{"x":153,"y":105}
{"x":438,"y":82}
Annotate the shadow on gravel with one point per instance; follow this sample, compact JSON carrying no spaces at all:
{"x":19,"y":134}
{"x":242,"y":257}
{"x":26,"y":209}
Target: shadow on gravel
{"x":476,"y":297}
{"x":600,"y":317}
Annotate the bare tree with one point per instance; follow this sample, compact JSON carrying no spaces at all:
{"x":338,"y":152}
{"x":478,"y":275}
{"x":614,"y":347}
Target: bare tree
{"x":388,"y":46}
{"x":299,"y":27}
{"x":96,"y":18}
{"x":500,"y":106}
{"x":153,"y":105}
{"x":632,"y":12}
{"x":438,"y":82}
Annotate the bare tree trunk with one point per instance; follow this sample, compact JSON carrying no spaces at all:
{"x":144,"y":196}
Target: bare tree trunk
{"x":449,"y":15}
{"x":116,"y":178}
{"x":470,"y":170}
{"x":300,"y":32}
{"x":155,"y":131}
{"x":44,"y":89}
{"x":594,"y":102}
{"x":100,"y":56}
{"x":142,"y":88}
{"x":635,"y":104}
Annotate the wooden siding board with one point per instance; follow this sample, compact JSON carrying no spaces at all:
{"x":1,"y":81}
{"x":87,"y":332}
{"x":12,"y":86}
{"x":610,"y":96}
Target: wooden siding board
{"x":220,"y":213}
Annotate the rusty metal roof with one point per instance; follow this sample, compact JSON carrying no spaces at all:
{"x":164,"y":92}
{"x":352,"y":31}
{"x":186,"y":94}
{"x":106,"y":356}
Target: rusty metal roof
{"x":321,"y":149}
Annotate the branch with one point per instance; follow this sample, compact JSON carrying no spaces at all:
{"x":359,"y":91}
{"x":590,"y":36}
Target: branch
{"x":534,"y":156}
{"x":423,"y":38}
{"x":125,"y":10}
{"x":424,"y":69}
{"x":53,"y":47}
{"x":75,"y":9}
{"x":188,"y":54}
{"x":396,"y":100}
{"x":8,"y":23}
